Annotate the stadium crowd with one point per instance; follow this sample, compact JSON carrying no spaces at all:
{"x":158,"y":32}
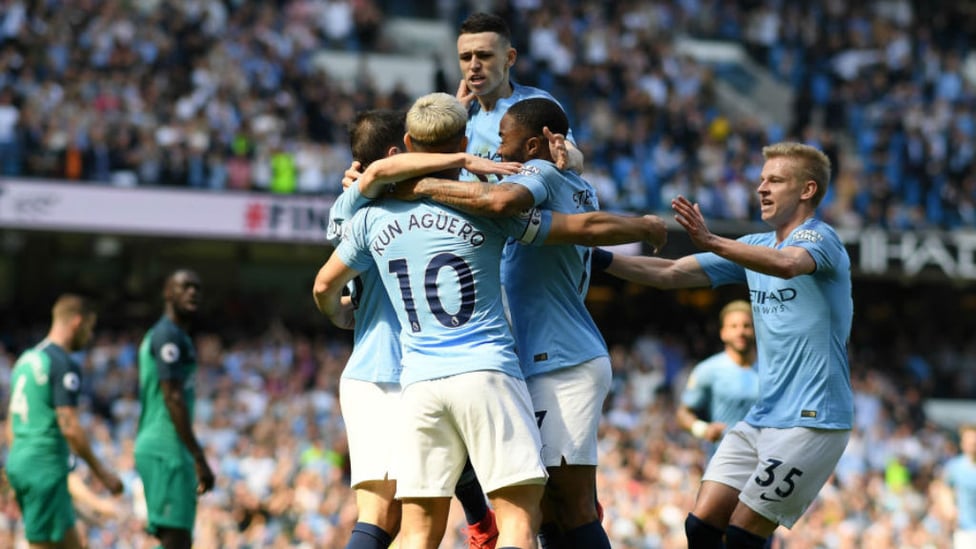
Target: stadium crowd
{"x":226,"y":95}
{"x":268,"y":416}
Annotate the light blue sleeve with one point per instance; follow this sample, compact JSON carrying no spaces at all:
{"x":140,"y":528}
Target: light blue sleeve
{"x":531,"y":177}
{"x":696,"y":393}
{"x":823,"y":246}
{"x":530,"y":227}
{"x":344,"y":207}
{"x":721,"y":271}
{"x":353,"y":249}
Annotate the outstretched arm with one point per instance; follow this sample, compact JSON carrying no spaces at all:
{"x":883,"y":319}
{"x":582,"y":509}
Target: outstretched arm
{"x":665,"y":274}
{"x":477,"y":198}
{"x":327,"y":292}
{"x":380,"y":174}
{"x":785,"y":263}
{"x":606,"y":229}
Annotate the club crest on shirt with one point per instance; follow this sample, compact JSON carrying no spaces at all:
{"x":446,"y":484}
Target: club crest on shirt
{"x":169,"y":352}
{"x":71,"y":381}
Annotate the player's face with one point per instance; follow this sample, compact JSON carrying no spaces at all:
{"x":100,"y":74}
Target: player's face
{"x":185,"y":292}
{"x":780,"y":190}
{"x":967,"y":442}
{"x":514,"y":144}
{"x":83,"y":335}
{"x":738,"y":332}
{"x":484,"y":58}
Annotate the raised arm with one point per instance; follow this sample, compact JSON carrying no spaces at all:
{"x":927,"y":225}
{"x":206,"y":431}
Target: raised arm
{"x":564,"y":153}
{"x":665,"y":274}
{"x":327,"y":292}
{"x":477,"y":198}
{"x":787,"y":262}
{"x":380,"y":174}
{"x":606,"y":229}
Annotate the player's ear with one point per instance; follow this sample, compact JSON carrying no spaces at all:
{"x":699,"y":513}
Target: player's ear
{"x":510,"y":57}
{"x":809,"y":190}
{"x":392,"y":151}
{"x":464,"y":143}
{"x":533,"y":147}
{"x":408,"y":142}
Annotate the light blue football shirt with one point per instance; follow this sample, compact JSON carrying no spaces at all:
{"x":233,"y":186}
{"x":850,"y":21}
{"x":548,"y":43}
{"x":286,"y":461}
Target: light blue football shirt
{"x":802,"y":328}
{"x":960,"y":473}
{"x":376,"y":337}
{"x":440,"y":269}
{"x":723,"y":388}
{"x":546,"y":287}
{"x":482,"y":129}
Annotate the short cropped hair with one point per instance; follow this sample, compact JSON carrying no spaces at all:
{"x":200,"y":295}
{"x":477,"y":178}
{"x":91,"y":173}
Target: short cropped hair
{"x":373,"y":132}
{"x":436,"y":120}
{"x":537,"y":113}
{"x":737,"y":306}
{"x":486,"y":22}
{"x":812,"y":164}
{"x":68,"y":306}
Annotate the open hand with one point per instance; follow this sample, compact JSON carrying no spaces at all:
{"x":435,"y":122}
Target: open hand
{"x":485,"y":166}
{"x":352,"y":174}
{"x":657,"y":235}
{"x":557,"y":148}
{"x":689,"y":216}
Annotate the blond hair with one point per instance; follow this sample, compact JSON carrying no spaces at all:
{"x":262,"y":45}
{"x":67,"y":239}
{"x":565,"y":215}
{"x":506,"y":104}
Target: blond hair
{"x":811,"y":164}
{"x":436,"y":120}
{"x":737,"y":306}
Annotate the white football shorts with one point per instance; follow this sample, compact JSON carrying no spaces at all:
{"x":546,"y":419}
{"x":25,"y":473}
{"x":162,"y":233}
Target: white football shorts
{"x":370,"y":412}
{"x":568,"y":406}
{"x":778,"y":472}
{"x":484,"y":415}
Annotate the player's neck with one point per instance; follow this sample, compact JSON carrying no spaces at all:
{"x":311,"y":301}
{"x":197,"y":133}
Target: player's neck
{"x":505,"y":89}
{"x":799,"y":218}
{"x":745,"y":360}
{"x":60,"y":337}
{"x":181,"y":321}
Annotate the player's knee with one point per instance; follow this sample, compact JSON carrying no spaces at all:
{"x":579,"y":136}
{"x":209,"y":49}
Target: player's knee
{"x":702,"y":535}
{"x":737,"y":538}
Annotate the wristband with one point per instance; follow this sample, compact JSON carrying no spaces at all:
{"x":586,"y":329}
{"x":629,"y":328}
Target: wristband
{"x":699,"y":428}
{"x":601,"y":259}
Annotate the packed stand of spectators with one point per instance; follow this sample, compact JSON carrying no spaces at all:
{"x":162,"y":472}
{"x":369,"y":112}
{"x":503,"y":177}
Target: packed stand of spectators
{"x":226,"y":95}
{"x":268,"y":415}
{"x":893,"y":74}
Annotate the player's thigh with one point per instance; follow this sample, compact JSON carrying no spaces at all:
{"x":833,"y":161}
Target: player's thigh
{"x":735,"y":459}
{"x":169,"y":485}
{"x":568,"y":405}
{"x":370,"y":412}
{"x":793,"y":466}
{"x":430,"y":453}
{"x":494,"y":416}
{"x":44,"y":500}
